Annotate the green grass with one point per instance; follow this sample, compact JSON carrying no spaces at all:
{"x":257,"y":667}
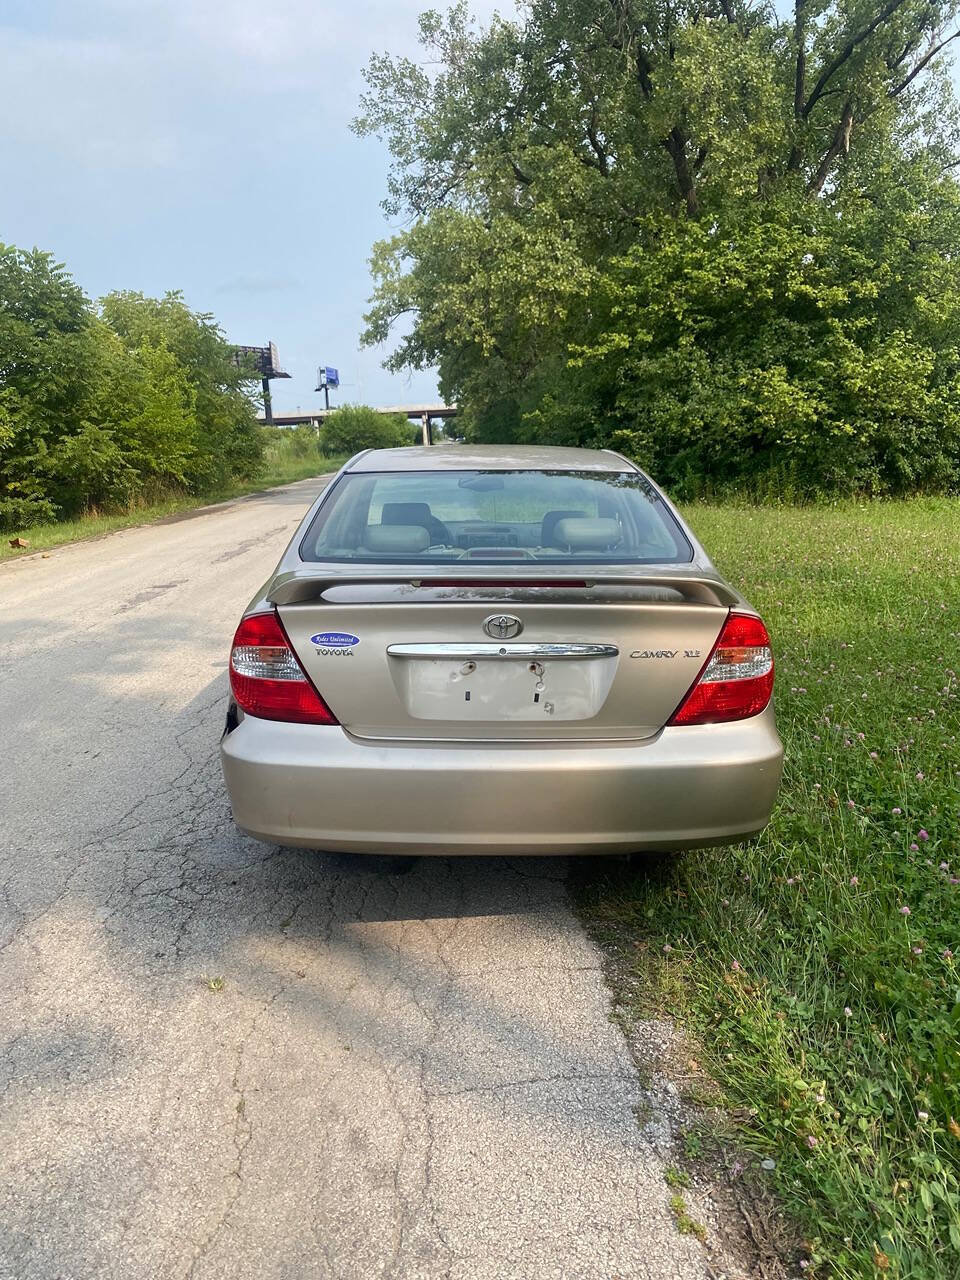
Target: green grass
{"x":278,"y":470}
{"x":686,"y":1225}
{"x":815,"y":965}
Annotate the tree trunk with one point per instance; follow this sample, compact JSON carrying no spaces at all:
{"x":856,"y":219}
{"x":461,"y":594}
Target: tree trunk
{"x":800,"y":77}
{"x":839,"y":146}
{"x":676,"y":145}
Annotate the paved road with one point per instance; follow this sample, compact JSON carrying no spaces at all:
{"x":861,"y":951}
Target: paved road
{"x":407,"y":1072}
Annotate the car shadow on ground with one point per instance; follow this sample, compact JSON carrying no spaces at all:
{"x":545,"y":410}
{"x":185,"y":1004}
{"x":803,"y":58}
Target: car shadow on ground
{"x":347,"y":938}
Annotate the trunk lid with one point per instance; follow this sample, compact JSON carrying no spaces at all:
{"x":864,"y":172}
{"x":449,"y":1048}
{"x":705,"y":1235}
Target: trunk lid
{"x":443,"y":659}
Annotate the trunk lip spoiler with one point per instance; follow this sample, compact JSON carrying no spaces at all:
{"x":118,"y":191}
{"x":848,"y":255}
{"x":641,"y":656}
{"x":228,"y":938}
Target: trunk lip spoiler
{"x":306,"y":586}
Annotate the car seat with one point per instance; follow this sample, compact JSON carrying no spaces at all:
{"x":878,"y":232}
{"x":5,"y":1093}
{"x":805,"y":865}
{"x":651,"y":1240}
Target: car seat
{"x":416,"y":513}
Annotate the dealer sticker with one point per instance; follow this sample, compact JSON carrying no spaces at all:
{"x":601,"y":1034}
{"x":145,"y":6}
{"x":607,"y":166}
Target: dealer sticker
{"x":338,"y":644}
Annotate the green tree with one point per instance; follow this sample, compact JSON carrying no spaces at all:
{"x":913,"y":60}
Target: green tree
{"x":110,"y":408}
{"x":148,"y":402}
{"x":45,"y":375}
{"x":227,"y":436}
{"x":788,"y":348}
{"x":593,"y":188}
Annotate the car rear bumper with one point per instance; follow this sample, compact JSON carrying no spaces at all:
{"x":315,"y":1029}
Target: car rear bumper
{"x":317,"y":787}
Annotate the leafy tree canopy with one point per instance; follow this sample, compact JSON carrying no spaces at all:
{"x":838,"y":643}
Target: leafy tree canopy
{"x":717,"y":236}
{"x":105,"y":407}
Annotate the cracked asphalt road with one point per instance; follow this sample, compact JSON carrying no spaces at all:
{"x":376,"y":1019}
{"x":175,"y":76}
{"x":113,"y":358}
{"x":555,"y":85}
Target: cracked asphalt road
{"x":409,"y":1070}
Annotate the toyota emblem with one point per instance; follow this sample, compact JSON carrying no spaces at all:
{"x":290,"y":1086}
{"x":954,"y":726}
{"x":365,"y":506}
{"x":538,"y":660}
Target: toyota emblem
{"x":502,"y":626}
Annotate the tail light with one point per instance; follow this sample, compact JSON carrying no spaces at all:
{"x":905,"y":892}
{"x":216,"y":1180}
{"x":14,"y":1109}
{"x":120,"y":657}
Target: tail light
{"x":736,"y":681}
{"x":266,"y":678}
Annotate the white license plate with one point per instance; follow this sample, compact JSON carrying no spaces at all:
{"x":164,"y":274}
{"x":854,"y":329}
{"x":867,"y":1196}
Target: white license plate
{"x":503,"y":689}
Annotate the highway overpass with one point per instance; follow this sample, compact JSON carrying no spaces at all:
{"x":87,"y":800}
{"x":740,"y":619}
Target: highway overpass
{"x":423,"y":413}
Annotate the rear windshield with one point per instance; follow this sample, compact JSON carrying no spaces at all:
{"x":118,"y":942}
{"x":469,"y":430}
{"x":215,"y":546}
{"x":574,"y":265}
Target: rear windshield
{"x":490,"y":517}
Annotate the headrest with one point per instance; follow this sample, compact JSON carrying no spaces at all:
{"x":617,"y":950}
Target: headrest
{"x":548,"y":526}
{"x":396,"y":539}
{"x":405,"y":513}
{"x":585,"y":534}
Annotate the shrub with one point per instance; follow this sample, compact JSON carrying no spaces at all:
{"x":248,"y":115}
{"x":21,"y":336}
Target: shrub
{"x":357,"y":426}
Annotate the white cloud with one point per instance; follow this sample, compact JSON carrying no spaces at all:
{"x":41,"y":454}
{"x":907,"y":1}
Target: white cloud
{"x":149,"y":83}
{"x":204,"y":144}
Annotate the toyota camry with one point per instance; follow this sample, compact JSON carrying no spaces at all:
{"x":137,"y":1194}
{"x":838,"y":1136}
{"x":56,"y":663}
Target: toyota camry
{"x":480,"y":649}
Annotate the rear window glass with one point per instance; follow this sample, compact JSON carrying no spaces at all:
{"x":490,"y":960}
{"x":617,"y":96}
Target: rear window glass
{"x":490,"y":517}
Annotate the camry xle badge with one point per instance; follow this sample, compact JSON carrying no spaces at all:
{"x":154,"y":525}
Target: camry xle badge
{"x":502,"y":626}
{"x":656,"y":653}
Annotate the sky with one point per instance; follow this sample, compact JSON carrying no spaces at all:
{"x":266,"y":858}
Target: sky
{"x":204,"y":145}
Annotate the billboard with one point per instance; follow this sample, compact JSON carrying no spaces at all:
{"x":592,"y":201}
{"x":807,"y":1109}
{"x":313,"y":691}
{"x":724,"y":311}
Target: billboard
{"x":331,"y":376}
{"x":259,"y":362}
{"x":275,"y":360}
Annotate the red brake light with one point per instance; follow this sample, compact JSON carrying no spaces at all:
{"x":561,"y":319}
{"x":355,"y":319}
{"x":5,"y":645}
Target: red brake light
{"x":737,"y":679}
{"x":266,"y":677}
{"x":500,"y":582}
